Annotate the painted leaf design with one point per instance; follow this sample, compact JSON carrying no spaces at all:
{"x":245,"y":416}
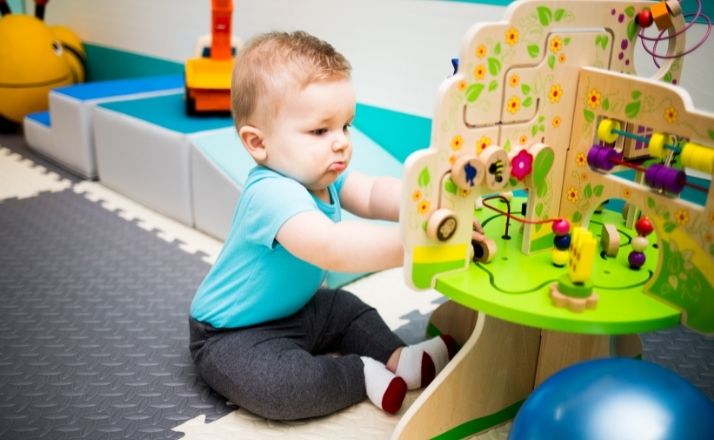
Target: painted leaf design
{"x":493,"y":86}
{"x":494,"y":66}
{"x":711,"y":134}
{"x":636,"y":95}
{"x":577,"y":216}
{"x":497,"y":48}
{"x":588,"y":191}
{"x":533,"y":50}
{"x":589,"y":115}
{"x":527,"y":102}
{"x":424,"y":177}
{"x":541,"y":167}
{"x":669,"y":227}
{"x":597,"y":190}
{"x":544,"y":15}
{"x":631,"y":30}
{"x":526,"y":89}
{"x":473,"y":92}
{"x":632,"y":109}
{"x":539,"y":209}
{"x":450,"y":187}
{"x":566,"y":41}
{"x":551,"y":61}
{"x":605,"y":104}
{"x":650,"y":203}
{"x":630,"y":11}
{"x":558,"y":15}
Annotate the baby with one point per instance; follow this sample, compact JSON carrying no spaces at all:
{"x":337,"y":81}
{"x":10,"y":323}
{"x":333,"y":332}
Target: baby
{"x":264,"y":330}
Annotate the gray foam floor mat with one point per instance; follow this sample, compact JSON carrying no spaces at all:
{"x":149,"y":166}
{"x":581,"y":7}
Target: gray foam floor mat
{"x":94,"y":331}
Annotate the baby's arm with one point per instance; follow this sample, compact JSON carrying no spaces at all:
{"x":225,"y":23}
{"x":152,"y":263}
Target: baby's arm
{"x":371,"y":197}
{"x":349,"y":246}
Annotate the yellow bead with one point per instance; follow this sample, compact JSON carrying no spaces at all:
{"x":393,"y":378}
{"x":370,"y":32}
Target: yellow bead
{"x":656,"y":145}
{"x":605,"y":130}
{"x":698,"y":157}
{"x":558,"y":257}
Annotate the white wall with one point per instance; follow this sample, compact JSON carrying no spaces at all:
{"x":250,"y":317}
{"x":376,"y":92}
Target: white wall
{"x":400,"y":49}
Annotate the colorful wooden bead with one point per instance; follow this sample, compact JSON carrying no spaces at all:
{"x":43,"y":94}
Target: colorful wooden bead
{"x":602,"y":158}
{"x":644,"y":226}
{"x":606,"y":130}
{"x":636,"y":259}
{"x":483,"y":250}
{"x":561,"y":226}
{"x":559,"y":257}
{"x":610,"y":240}
{"x":662,"y":177}
{"x":640,"y":243}
{"x":698,"y":157}
{"x":498,"y":167}
{"x":562,"y":242}
{"x":656,"y":145}
{"x":644,"y":18}
{"x":441,"y":225}
{"x":661,"y":16}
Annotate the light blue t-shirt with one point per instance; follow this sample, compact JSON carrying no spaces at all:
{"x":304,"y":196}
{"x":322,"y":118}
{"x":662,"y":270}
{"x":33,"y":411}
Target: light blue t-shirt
{"x":255,"y":279}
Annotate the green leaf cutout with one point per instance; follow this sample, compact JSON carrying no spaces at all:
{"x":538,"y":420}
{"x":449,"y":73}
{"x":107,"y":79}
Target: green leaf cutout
{"x":534,"y":130}
{"x":632,"y":109}
{"x":605,"y":104}
{"x":631,"y":30}
{"x":544,"y":15}
{"x":711,"y":134}
{"x":424,"y":177}
{"x":473,"y":92}
{"x":589,"y":115}
{"x":527,"y":102}
{"x":497,"y":49}
{"x":650,"y":203}
{"x":588,"y":191}
{"x":597,"y":190}
{"x":551,"y":61}
{"x":636,"y":95}
{"x":577,"y":216}
{"x":566,"y":41}
{"x":667,"y":77}
{"x":539,"y":209}
{"x":526,"y":89}
{"x":558,"y":15}
{"x":493,"y":86}
{"x":542,"y":164}
{"x":494,"y":66}
{"x":630,"y":11}
{"x":513,"y":181}
{"x":533,"y":50}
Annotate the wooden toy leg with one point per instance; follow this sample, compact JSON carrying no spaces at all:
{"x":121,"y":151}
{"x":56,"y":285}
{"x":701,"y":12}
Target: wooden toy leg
{"x":558,"y":350}
{"x":493,"y":370}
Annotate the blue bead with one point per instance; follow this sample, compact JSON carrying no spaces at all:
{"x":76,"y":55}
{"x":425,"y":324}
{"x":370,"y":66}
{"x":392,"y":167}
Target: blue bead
{"x":562,"y":242}
{"x":614,"y":399}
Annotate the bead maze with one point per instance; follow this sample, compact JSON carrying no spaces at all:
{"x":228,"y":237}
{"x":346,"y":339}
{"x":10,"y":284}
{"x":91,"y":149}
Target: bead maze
{"x":546,"y":109}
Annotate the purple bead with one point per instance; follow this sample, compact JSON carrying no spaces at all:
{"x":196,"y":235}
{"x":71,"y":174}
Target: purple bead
{"x":562,"y":242}
{"x":603,"y":158}
{"x":662,"y":177}
{"x":561,"y":227}
{"x":636,"y":259}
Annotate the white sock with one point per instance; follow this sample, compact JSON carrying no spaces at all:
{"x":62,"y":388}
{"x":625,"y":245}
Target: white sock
{"x":384,"y":389}
{"x":420,"y":363}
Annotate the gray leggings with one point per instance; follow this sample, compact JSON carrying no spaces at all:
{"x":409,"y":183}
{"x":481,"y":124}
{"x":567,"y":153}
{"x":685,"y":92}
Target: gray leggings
{"x":284,"y":369}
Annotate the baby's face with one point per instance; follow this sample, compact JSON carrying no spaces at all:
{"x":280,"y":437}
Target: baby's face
{"x":309,"y":139}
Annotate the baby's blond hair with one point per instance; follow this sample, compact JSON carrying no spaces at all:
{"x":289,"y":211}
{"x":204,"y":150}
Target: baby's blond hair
{"x":270,"y":64}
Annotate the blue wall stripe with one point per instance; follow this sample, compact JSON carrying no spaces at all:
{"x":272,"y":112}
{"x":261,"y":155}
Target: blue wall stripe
{"x":398,"y":133}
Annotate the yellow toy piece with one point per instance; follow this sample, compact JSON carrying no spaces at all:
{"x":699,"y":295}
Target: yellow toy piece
{"x":33,"y":63}
{"x":656,"y":145}
{"x":582,"y":255}
{"x":698,"y":157}
{"x":605,"y":130}
{"x":72,"y":51}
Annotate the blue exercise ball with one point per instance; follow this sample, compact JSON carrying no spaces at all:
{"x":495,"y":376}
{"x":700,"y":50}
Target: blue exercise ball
{"x":615,"y":398}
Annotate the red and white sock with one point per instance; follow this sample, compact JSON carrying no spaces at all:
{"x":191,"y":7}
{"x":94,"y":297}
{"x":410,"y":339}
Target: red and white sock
{"x":385,"y":389}
{"x":419,"y":364}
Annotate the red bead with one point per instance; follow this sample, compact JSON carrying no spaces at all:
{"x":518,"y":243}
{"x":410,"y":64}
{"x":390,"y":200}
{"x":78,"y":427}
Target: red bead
{"x":561,"y":227}
{"x":644,"y":226}
{"x":644,"y":18}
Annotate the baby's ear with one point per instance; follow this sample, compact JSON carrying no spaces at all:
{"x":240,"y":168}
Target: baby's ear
{"x":252,"y":139}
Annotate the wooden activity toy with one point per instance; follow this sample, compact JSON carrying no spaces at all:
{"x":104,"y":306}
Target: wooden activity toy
{"x":547,"y":104}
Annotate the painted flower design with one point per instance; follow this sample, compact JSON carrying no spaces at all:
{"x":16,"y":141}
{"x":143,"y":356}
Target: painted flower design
{"x":461,"y":86}
{"x":681,"y":217}
{"x":464,"y":192}
{"x":580,"y":159}
{"x":482,"y":143}
{"x":522,"y":139}
{"x":521,"y":164}
{"x":627,"y":193}
{"x":594,"y":99}
{"x":572,"y":194}
{"x":670,"y":115}
{"x":457,"y":142}
{"x":512,"y":36}
{"x":555,"y":93}
{"x":417,"y":195}
{"x":452,"y":159}
{"x":514,"y":80}
{"x":556,"y":44}
{"x":481,"y":51}
{"x":562,"y":58}
{"x":556,"y":122}
{"x":514,"y":104}
{"x":423,"y":207}
{"x":480,"y":71}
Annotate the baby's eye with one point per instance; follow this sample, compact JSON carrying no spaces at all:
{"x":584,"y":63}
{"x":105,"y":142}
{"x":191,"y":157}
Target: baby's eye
{"x":319,"y":131}
{"x":346,"y":127}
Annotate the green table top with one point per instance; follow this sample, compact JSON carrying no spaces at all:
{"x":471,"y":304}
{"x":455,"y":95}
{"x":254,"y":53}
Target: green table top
{"x":515,"y":287}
